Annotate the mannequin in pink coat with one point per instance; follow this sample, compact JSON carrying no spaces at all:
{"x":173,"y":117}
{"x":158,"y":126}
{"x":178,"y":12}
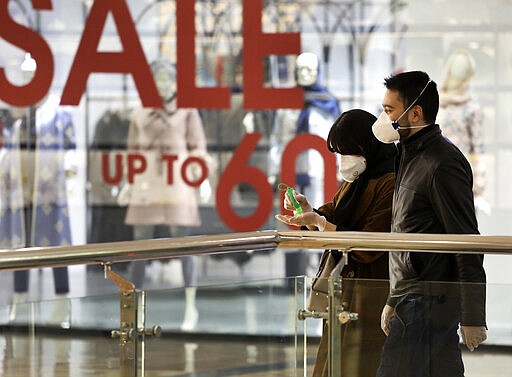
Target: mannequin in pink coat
{"x":154,"y":203}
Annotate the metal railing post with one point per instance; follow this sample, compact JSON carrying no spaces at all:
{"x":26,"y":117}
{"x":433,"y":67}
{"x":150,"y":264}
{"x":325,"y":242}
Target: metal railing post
{"x":127,"y":332}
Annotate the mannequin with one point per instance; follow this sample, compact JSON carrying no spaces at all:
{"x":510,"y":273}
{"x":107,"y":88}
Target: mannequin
{"x":153,"y":201}
{"x":106,"y":222}
{"x":320,"y":110}
{"x":34,"y":209}
{"x":461,"y":116}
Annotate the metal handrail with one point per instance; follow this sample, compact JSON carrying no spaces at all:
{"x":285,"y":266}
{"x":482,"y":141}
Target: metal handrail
{"x":104,"y":253}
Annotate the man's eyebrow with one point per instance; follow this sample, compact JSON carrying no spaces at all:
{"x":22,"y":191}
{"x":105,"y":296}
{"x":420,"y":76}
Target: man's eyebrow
{"x":387,"y":106}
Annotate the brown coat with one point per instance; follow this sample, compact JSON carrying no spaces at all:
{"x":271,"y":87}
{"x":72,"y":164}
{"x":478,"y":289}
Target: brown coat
{"x":362,"y":339}
{"x":373,"y":214}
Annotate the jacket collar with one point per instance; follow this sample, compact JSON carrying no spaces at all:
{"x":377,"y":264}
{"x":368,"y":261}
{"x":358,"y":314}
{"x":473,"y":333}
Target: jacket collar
{"x":419,"y":139}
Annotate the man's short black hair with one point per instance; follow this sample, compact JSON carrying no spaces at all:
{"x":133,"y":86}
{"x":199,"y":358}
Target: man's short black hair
{"x":409,"y":86}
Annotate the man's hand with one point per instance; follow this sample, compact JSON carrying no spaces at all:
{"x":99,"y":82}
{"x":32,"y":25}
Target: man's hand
{"x":385,"y":318}
{"x":472,"y":336}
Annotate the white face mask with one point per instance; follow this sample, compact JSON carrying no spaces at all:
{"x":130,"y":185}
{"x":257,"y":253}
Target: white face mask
{"x":351,"y":167}
{"x":386,"y":130}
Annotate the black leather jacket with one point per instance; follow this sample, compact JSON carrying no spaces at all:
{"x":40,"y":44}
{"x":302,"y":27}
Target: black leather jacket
{"x":433,"y":194}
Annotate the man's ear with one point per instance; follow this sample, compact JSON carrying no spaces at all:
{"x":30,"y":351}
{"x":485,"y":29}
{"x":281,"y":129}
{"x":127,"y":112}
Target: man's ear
{"x":417,"y":114}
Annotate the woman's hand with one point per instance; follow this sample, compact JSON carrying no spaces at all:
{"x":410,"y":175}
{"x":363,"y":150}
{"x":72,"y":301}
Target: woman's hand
{"x":309,"y":219}
{"x":301,"y":199}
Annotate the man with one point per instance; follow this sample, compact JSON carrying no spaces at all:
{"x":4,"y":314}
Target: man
{"x":433,"y":194}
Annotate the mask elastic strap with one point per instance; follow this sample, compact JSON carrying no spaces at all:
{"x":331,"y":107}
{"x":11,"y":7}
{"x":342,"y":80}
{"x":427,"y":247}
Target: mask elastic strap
{"x":395,"y":122}
{"x":426,"y":125}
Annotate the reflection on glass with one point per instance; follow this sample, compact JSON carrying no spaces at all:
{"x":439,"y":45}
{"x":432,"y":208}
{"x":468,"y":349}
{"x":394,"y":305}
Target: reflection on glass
{"x":435,"y":310}
{"x":244,"y":329}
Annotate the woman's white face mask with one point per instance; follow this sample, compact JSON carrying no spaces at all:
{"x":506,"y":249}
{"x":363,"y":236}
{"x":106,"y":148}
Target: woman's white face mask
{"x":351,"y":167}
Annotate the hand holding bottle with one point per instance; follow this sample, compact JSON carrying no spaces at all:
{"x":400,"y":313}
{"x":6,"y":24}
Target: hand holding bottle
{"x":300,"y":200}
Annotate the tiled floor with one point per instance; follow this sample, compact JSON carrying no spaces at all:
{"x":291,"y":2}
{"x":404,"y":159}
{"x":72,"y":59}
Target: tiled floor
{"x":51,"y":355}
{"x":57,"y":356}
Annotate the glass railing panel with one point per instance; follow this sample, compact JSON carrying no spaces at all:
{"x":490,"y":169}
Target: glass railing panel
{"x":356,"y":340}
{"x":169,"y":273}
{"x":499,"y":315}
{"x":351,"y":340}
{"x":494,"y":357}
{"x":59,"y":338}
{"x":242,"y":328}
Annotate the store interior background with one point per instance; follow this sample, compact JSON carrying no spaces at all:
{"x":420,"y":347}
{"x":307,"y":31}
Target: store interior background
{"x":366,"y":43}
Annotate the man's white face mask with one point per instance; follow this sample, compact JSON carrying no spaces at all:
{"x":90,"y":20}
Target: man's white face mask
{"x":351,"y":167}
{"x":386,"y":130}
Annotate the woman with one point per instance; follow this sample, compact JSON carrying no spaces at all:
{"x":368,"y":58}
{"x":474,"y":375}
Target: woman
{"x":363,"y":203}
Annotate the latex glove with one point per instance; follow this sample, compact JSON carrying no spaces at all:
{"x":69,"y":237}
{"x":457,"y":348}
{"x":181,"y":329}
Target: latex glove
{"x":385,"y":318}
{"x":301,"y":199}
{"x":309,"y":219}
{"x":472,"y":336}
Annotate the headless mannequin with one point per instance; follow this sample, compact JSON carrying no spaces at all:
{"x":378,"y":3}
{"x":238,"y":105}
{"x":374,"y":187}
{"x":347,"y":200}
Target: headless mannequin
{"x":107,"y":217}
{"x":460,"y":117}
{"x":34,"y":162}
{"x":153,"y":202}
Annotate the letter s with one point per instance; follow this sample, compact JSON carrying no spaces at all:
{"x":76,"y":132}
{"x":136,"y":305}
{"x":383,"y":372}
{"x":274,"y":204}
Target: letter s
{"x":28,"y":40}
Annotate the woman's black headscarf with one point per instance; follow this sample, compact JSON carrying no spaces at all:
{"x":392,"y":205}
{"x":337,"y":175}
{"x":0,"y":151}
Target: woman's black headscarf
{"x":351,"y":134}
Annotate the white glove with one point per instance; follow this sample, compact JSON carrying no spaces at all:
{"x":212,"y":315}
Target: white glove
{"x":310,"y":219}
{"x":301,"y":199}
{"x":472,"y":336}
